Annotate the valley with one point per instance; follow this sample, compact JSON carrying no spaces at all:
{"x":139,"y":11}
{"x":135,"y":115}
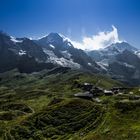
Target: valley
{"x":42,"y":105}
{"x":51,"y":90}
{"x":69,"y":70}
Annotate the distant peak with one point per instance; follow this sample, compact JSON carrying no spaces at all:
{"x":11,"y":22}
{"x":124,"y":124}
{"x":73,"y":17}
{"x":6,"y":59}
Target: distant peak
{"x":64,"y":37}
{"x":121,"y":42}
{"x":121,"y":46}
{"x":50,"y":35}
{"x":55,"y":36}
{"x":44,"y":36}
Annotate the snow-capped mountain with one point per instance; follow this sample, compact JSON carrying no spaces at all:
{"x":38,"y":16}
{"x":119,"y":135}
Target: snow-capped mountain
{"x":21,"y":53}
{"x":52,"y":49}
{"x":111,"y":51}
{"x":120,"y":60}
{"x":21,"y":46}
{"x":61,"y":51}
{"x":126,"y":68}
{"x":109,"y":54}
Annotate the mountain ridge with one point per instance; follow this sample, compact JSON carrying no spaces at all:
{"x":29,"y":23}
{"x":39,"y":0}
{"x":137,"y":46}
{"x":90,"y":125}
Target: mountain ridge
{"x":53,"y":48}
{"x":117,"y":60}
{"x":121,"y":61}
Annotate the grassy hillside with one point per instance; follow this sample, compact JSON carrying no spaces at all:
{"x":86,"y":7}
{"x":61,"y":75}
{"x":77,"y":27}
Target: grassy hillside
{"x":42,"y":106}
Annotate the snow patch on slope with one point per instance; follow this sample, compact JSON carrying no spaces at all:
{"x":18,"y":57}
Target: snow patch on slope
{"x":61,"y":61}
{"x":128,"y":65}
{"x":52,"y":46}
{"x":137,"y":53}
{"x":15,"y":40}
{"x":21,"y":52}
{"x":64,"y":38}
{"x":66,"y":54}
{"x":102,"y":66}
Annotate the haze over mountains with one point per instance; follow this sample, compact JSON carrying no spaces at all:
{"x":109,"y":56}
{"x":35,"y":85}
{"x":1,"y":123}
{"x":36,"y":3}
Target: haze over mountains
{"x":119,"y":60}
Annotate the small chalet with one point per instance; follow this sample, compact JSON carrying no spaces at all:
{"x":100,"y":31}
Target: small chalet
{"x":118,"y":89}
{"x":85,"y":95}
{"x":97,"y":91}
{"x":108,"y":92}
{"x":87,"y":86}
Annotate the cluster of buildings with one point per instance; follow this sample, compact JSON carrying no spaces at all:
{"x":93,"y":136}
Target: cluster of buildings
{"x":90,"y":91}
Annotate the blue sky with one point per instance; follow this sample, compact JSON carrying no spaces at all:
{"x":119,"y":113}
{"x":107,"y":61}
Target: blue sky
{"x":73,"y":18}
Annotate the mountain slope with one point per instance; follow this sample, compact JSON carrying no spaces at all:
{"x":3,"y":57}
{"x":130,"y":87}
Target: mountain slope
{"x":20,"y":53}
{"x":126,"y":68}
{"x":111,"y":51}
{"x":42,"y":106}
{"x":61,"y":51}
{"x":54,"y":48}
{"x":121,"y":61}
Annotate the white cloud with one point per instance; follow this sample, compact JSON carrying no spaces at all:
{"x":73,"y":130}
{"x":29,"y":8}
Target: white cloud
{"x":101,"y":40}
